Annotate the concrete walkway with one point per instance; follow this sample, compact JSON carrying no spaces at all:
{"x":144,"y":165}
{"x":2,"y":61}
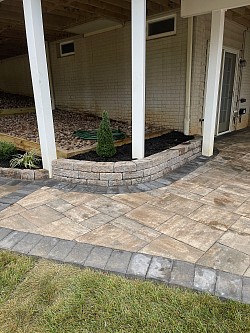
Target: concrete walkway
{"x":197,"y":219}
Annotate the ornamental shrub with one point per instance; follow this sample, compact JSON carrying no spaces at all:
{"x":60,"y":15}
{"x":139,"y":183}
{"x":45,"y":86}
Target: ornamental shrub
{"x":105,"y":142}
{"x":7,"y":150}
{"x":28,"y":160}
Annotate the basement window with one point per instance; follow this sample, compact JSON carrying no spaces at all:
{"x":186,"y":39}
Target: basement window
{"x":67,"y":48}
{"x":161,"y":27}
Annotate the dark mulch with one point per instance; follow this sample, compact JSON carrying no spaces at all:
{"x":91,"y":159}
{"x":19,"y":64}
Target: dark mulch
{"x":152,"y":146}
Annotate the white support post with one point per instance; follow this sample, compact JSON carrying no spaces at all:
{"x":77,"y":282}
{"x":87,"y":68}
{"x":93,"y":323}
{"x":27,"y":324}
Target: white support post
{"x":213,"y":79}
{"x":40,"y":80}
{"x":138,"y":8}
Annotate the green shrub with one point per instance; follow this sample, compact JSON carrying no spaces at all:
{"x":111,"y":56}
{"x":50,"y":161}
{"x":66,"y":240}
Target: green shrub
{"x":105,"y":142}
{"x":29,"y":160}
{"x":7,"y":150}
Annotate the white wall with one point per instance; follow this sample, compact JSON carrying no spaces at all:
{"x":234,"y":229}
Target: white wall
{"x":15,"y":75}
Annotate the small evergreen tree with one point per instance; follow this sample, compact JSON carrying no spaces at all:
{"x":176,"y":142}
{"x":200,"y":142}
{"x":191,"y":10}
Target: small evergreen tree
{"x":105,"y":142}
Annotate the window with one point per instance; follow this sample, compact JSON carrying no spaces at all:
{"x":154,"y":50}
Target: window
{"x":161,"y":27}
{"x":67,"y":48}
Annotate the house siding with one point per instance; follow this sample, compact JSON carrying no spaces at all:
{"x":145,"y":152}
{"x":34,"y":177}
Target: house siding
{"x":233,"y":38}
{"x":15,"y":75}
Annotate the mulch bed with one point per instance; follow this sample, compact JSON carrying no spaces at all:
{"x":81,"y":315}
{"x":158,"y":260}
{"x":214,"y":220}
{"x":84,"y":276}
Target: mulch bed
{"x":152,"y":146}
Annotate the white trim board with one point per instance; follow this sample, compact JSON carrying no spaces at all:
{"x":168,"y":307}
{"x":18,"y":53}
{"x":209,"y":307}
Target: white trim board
{"x":200,"y":7}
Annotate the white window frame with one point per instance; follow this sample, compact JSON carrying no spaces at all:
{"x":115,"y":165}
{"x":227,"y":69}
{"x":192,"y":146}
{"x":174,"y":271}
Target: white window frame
{"x":164,"y":34}
{"x":69,"y":53}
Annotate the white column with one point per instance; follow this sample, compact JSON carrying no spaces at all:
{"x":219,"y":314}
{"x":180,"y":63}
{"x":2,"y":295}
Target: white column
{"x":138,"y":8}
{"x":40,"y":80}
{"x":213,"y":79}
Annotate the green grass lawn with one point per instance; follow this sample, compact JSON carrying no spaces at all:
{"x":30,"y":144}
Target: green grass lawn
{"x":38,"y":296}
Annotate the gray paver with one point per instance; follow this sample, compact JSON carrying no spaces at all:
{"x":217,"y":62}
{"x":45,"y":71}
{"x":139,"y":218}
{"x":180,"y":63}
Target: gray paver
{"x":27,"y":243}
{"x":204,"y":279}
{"x":61,"y":250}
{"x":138,"y":265}
{"x":4,"y":232}
{"x":246,"y":290}
{"x":182,"y":274}
{"x":79,"y":254}
{"x":12,"y":239}
{"x":3,"y":206}
{"x":160,"y":269}
{"x":229,"y":286}
{"x":98,"y":257}
{"x":44,"y":246}
{"x":118,"y":262}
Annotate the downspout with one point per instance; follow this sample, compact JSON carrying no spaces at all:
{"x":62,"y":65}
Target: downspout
{"x":188,"y":75}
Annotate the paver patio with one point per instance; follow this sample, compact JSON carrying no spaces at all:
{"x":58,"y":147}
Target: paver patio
{"x":202,"y":218}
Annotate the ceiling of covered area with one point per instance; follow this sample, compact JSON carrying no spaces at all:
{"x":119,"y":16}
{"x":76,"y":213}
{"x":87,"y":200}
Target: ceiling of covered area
{"x":60,"y":16}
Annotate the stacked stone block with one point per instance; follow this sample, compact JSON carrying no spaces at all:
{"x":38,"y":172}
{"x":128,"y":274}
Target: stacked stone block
{"x":126,"y":172}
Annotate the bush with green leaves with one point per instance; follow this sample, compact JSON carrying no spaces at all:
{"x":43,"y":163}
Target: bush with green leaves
{"x":105,"y":142}
{"x":7,"y":150}
{"x":28,"y":160}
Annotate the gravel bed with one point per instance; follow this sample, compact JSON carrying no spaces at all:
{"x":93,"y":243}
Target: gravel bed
{"x":12,"y":101}
{"x":65,"y":123}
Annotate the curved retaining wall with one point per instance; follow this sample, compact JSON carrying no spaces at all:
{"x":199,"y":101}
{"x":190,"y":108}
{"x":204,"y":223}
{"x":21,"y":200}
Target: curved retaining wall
{"x":24,"y":173}
{"x":128,"y":172}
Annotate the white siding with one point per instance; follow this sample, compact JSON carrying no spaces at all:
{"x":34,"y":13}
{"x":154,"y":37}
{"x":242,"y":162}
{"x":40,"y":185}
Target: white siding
{"x":233,"y":38}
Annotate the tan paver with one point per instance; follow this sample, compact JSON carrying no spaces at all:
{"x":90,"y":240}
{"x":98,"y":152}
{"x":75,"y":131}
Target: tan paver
{"x":79,"y":213}
{"x":19,"y":223}
{"x":224,"y":258}
{"x":109,"y":206}
{"x":139,"y":230}
{"x":111,"y":236}
{"x":177,"y":204}
{"x":166,"y":246}
{"x":36,"y":199}
{"x":242,"y":226}
{"x":190,"y":232}
{"x":133,"y":199}
{"x":64,"y":228}
{"x":12,"y":210}
{"x":244,"y":209}
{"x":240,"y":242}
{"x":214,"y":217}
{"x":149,"y":215}
{"x":224,"y":200}
{"x":247,"y":273}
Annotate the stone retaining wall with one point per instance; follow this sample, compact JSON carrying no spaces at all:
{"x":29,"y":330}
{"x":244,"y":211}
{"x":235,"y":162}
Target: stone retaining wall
{"x":127,"y":172}
{"x":24,"y":174}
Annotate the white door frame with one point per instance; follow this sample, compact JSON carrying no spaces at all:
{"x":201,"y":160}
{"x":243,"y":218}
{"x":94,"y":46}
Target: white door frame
{"x":237,"y":53}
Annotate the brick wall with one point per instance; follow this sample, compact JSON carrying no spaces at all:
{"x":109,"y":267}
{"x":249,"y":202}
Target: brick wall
{"x":98,"y":76}
{"x":15,"y":75}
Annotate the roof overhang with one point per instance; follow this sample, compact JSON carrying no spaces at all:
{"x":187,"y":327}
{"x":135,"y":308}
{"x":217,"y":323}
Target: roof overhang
{"x":200,"y":7}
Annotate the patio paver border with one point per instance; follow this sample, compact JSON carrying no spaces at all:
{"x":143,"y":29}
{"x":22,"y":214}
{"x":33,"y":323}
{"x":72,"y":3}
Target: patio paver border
{"x":136,"y":265}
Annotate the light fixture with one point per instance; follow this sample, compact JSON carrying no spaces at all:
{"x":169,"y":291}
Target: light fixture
{"x":243,"y":62}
